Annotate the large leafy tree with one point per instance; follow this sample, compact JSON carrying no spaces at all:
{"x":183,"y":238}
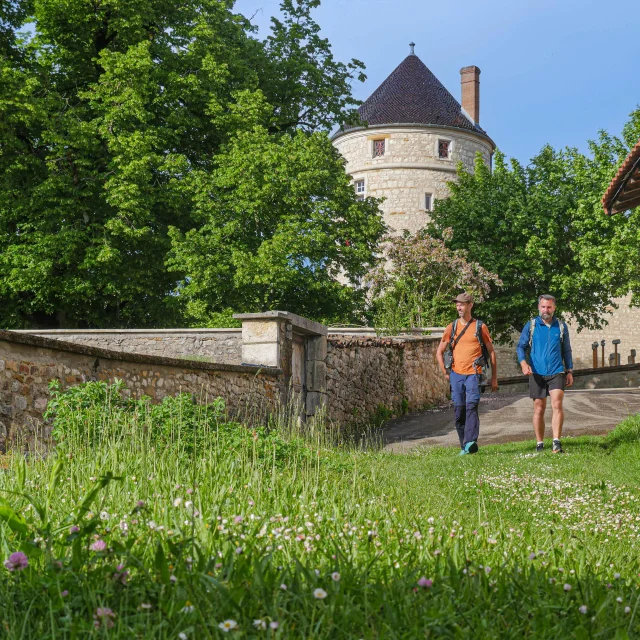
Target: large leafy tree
{"x":116,"y":121}
{"x":542,"y":229}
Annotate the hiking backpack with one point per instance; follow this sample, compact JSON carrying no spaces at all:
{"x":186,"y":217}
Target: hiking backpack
{"x":484,"y":360}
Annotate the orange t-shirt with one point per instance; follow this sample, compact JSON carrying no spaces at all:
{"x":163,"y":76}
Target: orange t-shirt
{"x":468,"y":349}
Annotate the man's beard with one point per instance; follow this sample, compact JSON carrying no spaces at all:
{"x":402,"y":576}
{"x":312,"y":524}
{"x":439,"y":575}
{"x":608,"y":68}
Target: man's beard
{"x":546,"y":316}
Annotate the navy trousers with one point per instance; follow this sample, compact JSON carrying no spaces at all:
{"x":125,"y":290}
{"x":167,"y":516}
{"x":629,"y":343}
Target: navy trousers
{"x":465,"y":393}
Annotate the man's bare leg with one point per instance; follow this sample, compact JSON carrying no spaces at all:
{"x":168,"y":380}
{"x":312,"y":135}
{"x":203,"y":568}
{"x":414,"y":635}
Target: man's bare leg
{"x":539,"y":405}
{"x":557,"y":418}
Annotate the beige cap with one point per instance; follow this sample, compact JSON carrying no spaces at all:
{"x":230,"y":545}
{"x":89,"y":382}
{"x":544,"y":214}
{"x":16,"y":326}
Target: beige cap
{"x":462,"y":297}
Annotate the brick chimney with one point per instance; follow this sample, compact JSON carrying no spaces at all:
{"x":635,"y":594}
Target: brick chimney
{"x":470,"y":81}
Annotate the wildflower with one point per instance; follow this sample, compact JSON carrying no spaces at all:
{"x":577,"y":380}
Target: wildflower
{"x":17,"y":561}
{"x":177,"y":502}
{"x":317,"y":572}
{"x":283,"y":586}
{"x":188,"y":504}
{"x":425,"y":582}
{"x":65,"y":593}
{"x":182,"y":635}
{"x":616,"y":576}
{"x":189,"y":491}
{"x":239,"y":550}
{"x":238,"y":519}
{"x":437,"y":552}
{"x":567,"y":587}
{"x":335,"y":576}
{"x":274,"y":625}
{"x":103,"y":616}
{"x":173,"y":578}
{"x":104,"y":515}
{"x":145,"y":605}
{"x":228,"y":625}
{"x":583,"y":609}
{"x":188,"y":608}
{"x":74,"y":529}
{"x":260,"y":624}
{"x":627,"y":609}
{"x":487,"y":570}
{"x":140,"y":504}
{"x":98,"y":545}
{"x":319,"y":594}
{"x":619,"y":599}
{"x":152,"y":525}
{"x":532,"y":556}
{"x":218,"y":565}
{"x":121,"y":574}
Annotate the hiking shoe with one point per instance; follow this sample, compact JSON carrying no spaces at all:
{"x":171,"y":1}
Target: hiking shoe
{"x":463,"y":452}
{"x":557,"y":447}
{"x":471,"y":447}
{"x":539,"y":447}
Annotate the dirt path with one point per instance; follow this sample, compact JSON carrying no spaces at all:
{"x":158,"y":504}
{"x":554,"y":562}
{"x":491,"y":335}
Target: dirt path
{"x":507,"y":418}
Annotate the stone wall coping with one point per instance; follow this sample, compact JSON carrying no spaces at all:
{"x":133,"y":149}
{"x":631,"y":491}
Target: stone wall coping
{"x":61,"y":332}
{"x":110,"y":354}
{"x":577,"y":373}
{"x":430,"y":166}
{"x":371,"y":332}
{"x":300,"y":324}
{"x":343,"y":341}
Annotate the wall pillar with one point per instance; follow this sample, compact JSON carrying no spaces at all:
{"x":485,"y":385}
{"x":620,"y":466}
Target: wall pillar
{"x":294,"y":344}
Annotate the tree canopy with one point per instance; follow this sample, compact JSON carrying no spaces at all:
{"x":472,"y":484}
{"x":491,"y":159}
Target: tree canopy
{"x":542,"y":229}
{"x":161,"y":165}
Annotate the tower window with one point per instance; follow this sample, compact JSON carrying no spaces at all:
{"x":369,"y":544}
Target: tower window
{"x":360,"y":189}
{"x":378,"y":148}
{"x":444,"y":149}
{"x":428,"y":201}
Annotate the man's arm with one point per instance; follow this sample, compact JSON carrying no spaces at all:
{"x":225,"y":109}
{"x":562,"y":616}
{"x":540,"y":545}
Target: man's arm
{"x":523,"y":343}
{"x":494,"y":366}
{"x":442,"y":347}
{"x":567,"y":356}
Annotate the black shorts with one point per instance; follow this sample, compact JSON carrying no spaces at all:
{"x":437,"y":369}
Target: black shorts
{"x":539,"y":386}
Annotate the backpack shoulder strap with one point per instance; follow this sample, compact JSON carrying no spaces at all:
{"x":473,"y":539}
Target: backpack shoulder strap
{"x":532,"y":328}
{"x":563,"y":327}
{"x":452,"y":337}
{"x":479,"y":324}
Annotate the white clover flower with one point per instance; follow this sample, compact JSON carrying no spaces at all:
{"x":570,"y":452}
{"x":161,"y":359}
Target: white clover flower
{"x":152,"y":525}
{"x":567,"y":587}
{"x":182,"y":635}
{"x":260,"y":624}
{"x":583,"y":609}
{"x":283,"y":586}
{"x":335,"y":576}
{"x":104,"y":515}
{"x":177,"y":502}
{"x":616,"y":576}
{"x":619,"y":599}
{"x":319,"y":594}
{"x":275,"y":625}
{"x":188,"y":504}
{"x":228,"y":625}
{"x":627,"y":609}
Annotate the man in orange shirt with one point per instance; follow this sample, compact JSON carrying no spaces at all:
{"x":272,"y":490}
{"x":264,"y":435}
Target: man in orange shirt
{"x":466,"y":371}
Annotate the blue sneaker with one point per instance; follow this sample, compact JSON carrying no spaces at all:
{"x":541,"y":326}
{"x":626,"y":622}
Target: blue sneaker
{"x":463,"y":452}
{"x":471,"y":447}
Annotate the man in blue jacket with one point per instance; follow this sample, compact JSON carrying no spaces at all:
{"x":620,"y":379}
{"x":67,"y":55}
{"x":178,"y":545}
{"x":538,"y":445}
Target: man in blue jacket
{"x":549,"y":367}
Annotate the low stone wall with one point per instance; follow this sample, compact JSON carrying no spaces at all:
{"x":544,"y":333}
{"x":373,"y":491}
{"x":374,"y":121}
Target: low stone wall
{"x":28,"y":363}
{"x":397,"y":374}
{"x":210,"y":345}
{"x":624,"y":376}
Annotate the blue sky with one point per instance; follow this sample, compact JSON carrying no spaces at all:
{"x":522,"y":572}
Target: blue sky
{"x":553,"y":71}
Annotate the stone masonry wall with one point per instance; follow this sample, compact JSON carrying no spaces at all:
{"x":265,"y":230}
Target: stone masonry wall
{"x":364,"y":373}
{"x":409,"y":168}
{"x":213,"y":345}
{"x":28,"y":363}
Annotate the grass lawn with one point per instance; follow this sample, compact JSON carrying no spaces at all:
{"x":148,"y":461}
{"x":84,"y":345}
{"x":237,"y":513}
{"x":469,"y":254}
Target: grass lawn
{"x":242,"y":534}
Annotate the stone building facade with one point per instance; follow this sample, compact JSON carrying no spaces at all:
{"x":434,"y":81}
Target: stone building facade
{"x":415,"y":135}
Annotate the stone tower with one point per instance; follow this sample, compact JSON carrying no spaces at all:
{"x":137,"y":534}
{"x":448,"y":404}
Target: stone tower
{"x":414,"y":134}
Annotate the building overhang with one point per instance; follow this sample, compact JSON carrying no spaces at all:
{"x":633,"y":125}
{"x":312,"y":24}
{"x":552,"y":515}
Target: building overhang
{"x":416,"y":125}
{"x":623,"y":193}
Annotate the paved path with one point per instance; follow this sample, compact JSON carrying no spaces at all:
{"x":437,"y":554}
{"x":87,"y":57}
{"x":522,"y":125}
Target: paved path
{"x":507,"y":418}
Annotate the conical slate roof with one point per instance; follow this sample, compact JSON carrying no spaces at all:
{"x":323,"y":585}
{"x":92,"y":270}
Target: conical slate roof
{"x":413,"y":95}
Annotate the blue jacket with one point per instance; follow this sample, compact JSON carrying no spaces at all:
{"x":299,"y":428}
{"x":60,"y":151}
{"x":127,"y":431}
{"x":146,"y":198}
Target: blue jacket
{"x":548,"y":356}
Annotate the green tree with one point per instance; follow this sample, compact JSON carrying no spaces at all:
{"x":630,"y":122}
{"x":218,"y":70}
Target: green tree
{"x":542,"y":229}
{"x":113,"y":117}
{"x":415,"y":286}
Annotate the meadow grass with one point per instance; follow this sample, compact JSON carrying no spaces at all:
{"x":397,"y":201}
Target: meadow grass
{"x":246,"y":533}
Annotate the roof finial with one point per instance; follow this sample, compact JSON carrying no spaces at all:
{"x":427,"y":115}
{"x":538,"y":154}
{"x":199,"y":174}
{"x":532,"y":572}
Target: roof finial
{"x":411,"y":46}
